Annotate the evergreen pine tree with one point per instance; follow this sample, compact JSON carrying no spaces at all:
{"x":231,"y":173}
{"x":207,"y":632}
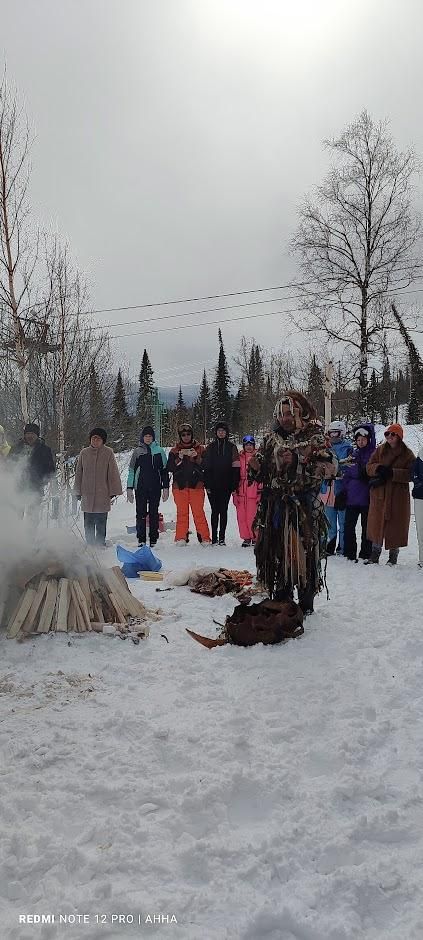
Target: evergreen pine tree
{"x":120,"y":417}
{"x":202,"y":410}
{"x":385,"y":392}
{"x":97,"y":406}
{"x":415,"y":367}
{"x":221,"y":394}
{"x":269,"y":401}
{"x":413,"y":409}
{"x":315,"y":390}
{"x":181,"y":408}
{"x":146,"y":392}
{"x":119,"y":408}
{"x":239,"y":407}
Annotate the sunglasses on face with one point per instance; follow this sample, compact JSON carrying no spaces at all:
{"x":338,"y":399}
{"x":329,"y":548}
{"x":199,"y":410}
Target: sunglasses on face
{"x":391,"y":434}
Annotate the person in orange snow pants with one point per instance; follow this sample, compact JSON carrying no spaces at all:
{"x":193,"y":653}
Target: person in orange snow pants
{"x":185,"y":465}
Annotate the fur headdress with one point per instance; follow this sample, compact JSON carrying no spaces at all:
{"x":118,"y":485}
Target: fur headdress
{"x":296,"y":400}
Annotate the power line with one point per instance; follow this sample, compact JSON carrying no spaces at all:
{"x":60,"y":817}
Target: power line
{"x":191,"y":313}
{"x":193,"y":326}
{"x":194,"y":313}
{"x":235,"y":293}
{"x":189,"y":300}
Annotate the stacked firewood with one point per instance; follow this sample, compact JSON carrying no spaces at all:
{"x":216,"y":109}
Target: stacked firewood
{"x":51,"y":602}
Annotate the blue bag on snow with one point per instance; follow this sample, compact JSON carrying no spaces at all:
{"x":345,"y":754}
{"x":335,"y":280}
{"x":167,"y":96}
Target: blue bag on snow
{"x":141,"y":560}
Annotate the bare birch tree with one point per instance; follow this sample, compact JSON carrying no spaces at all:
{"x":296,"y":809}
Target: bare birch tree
{"x":359,"y":241}
{"x":60,"y":382}
{"x":23,"y":321}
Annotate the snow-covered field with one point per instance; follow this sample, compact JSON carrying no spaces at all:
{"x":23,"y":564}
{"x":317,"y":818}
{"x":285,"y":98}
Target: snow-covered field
{"x":273,"y":793}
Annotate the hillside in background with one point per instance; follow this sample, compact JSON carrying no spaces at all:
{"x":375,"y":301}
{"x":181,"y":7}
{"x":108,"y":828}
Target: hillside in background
{"x":169,"y":395}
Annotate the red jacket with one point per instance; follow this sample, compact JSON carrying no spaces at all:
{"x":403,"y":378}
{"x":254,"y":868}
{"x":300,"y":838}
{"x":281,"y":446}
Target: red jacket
{"x":186,"y":469}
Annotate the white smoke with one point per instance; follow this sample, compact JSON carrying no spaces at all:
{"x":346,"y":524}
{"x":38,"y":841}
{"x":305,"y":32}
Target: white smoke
{"x":27,"y":545}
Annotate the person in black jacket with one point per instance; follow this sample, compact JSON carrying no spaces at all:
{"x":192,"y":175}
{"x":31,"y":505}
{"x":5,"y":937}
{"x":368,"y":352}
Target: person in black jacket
{"x":149,"y":477}
{"x":222,"y":474}
{"x":35,"y":463}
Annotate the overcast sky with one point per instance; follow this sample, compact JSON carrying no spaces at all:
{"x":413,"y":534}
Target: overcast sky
{"x":175,"y":140}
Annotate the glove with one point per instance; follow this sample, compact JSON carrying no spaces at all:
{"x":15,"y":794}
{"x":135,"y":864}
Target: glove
{"x":385,"y":473}
{"x":130,"y":496}
{"x":165,"y":494}
{"x":341,"y":501}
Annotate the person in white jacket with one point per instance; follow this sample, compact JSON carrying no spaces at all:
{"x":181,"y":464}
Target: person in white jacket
{"x":418,"y":501}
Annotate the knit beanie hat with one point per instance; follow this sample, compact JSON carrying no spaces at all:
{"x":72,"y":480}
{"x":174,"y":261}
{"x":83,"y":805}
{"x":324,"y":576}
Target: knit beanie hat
{"x":147,"y":430}
{"x":395,"y":429}
{"x":361,"y":432}
{"x":32,"y":429}
{"x":222,"y":425}
{"x":99,"y":432}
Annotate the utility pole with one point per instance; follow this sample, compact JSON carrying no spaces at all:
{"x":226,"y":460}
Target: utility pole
{"x":328,"y":388}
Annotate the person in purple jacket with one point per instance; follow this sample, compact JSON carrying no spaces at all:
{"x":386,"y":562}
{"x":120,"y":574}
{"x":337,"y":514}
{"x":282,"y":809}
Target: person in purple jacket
{"x":354,"y":494}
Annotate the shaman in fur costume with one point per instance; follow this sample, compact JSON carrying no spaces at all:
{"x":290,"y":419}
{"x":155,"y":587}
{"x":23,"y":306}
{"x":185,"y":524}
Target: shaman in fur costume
{"x":291,"y":531}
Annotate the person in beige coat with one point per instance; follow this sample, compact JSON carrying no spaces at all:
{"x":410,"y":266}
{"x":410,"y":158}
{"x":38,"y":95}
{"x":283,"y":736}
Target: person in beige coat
{"x":97,"y":482}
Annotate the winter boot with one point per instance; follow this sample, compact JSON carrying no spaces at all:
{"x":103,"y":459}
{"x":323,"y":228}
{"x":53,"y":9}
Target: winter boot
{"x":330,"y":548}
{"x":393,"y":557}
{"x":246,"y":543}
{"x":374,"y":557}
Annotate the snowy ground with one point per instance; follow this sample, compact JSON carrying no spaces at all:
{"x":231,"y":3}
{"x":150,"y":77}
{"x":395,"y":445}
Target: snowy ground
{"x":261,"y":794}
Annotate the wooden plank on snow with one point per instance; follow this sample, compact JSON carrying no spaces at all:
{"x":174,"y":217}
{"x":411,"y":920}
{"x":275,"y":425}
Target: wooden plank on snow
{"x":33,"y":614}
{"x":83,"y":606}
{"x":63,"y":606}
{"x":79,"y":618}
{"x":71,"y":612}
{"x":129,"y":604}
{"x":48,"y":610}
{"x":84,"y":584}
{"x":120,"y":616}
{"x":121,"y":577}
{"x":21,"y":612}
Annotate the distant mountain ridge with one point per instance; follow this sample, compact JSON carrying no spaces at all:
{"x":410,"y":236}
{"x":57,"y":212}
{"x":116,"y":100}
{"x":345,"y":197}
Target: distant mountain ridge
{"x":169,"y":395}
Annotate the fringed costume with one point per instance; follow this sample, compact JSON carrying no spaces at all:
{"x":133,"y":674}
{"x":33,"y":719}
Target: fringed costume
{"x":290,"y":523}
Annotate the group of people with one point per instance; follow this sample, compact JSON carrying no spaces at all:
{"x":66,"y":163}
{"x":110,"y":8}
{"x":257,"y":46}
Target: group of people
{"x":372,"y":484}
{"x":298,"y":497}
{"x":217,"y":470}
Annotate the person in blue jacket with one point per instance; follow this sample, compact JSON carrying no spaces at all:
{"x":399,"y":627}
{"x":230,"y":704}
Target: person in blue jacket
{"x":342,"y":448}
{"x":149,"y":478}
{"x":354,"y":495}
{"x":417,"y":495}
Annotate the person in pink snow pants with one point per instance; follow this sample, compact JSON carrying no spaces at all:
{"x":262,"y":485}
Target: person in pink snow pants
{"x":247,"y":496}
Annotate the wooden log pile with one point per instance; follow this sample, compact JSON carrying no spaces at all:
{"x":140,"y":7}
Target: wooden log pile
{"x":51,"y":602}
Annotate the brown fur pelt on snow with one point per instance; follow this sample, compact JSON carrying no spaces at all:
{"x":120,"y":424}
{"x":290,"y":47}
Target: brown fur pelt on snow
{"x":267,"y":622}
{"x":223,"y":581}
